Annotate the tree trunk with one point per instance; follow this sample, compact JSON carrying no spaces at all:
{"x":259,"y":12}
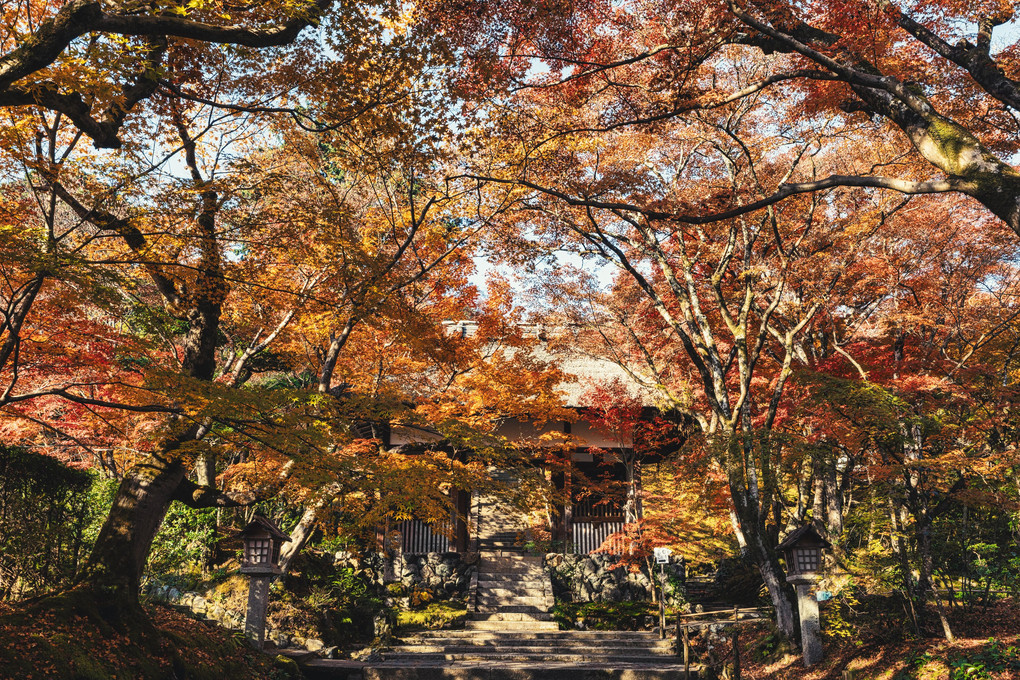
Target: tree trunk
{"x":299,"y":536}
{"x":900,"y":550}
{"x":925,"y":581}
{"x":115,"y":566}
{"x":780,"y":592}
{"x":751,"y":532}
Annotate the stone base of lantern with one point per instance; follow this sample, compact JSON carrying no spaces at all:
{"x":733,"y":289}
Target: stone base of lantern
{"x":258,"y":602}
{"x":810,"y":626}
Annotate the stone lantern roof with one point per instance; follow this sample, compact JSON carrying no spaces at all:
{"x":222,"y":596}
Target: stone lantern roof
{"x":261,"y":527}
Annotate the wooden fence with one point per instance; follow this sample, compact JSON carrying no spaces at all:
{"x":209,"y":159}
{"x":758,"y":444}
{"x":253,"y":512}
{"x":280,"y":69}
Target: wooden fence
{"x":418,"y":538}
{"x":587,"y":537}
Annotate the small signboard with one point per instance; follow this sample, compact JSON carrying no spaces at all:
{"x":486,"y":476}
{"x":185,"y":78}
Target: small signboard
{"x":662,"y":555}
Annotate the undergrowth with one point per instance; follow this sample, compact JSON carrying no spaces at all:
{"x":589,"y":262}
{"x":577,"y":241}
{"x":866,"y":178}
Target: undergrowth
{"x":604,"y":615}
{"x":73,"y":636}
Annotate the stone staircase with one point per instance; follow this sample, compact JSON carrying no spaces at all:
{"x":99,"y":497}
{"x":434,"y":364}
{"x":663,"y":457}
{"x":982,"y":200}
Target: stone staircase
{"x":510,"y":633}
{"x":517,"y":655}
{"x":535,"y":655}
{"x":511,"y":590}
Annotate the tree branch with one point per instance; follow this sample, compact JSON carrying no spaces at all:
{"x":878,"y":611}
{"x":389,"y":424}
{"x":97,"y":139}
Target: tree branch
{"x":195,"y":496}
{"x":784,"y":191}
{"x":77,"y":18}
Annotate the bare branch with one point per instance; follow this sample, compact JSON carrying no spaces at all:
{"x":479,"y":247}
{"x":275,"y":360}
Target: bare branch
{"x":784,"y":191}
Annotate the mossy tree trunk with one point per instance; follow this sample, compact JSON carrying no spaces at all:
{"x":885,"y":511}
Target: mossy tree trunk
{"x":118,"y":560}
{"x":115,"y":567}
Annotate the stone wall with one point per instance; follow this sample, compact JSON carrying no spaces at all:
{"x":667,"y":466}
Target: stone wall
{"x":443,"y":575}
{"x":600,"y":577}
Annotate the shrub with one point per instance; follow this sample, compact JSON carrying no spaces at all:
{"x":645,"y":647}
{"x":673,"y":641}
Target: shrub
{"x":980,"y":665}
{"x":49,"y":517}
{"x":435,"y":615}
{"x":603,"y":615}
{"x":184,"y":541}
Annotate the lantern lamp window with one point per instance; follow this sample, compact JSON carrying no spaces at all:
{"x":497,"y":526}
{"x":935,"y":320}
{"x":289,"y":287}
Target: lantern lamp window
{"x":259,"y":551}
{"x":807,"y":559}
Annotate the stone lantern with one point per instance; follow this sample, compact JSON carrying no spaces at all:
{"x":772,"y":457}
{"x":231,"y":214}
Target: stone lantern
{"x":802,"y":550}
{"x":261,"y":561}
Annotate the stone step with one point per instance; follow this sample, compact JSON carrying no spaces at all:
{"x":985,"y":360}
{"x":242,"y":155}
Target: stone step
{"x":514,"y":608}
{"x":515,"y":626}
{"x":504,"y":531}
{"x":515,"y":586}
{"x":599,"y":637}
{"x":462,"y":646}
{"x":508,"y":592}
{"x":510,"y":568}
{"x":511,"y":616}
{"x":501,"y":533}
{"x":510,"y":564}
{"x":491,"y":600}
{"x":501,"y":539}
{"x":511,"y":559}
{"x":514,"y":570}
{"x":501,"y":547}
{"x":500,"y":580}
{"x":329,"y":669}
{"x":533,"y":599}
{"x":514,"y":577}
{"x":540,"y":656}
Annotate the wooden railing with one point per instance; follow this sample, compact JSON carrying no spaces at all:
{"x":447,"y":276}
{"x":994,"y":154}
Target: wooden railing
{"x":593,"y":507}
{"x":601,"y":536}
{"x":418,"y":538}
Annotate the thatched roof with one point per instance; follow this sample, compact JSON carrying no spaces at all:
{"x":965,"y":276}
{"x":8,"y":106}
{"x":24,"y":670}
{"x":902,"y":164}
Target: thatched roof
{"x":584,"y":371}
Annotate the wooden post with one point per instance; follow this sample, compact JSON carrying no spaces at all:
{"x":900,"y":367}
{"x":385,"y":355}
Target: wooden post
{"x":662,"y":601}
{"x":687,"y":654}
{"x":568,"y":513}
{"x":736,"y":612}
{"x":736,"y":655}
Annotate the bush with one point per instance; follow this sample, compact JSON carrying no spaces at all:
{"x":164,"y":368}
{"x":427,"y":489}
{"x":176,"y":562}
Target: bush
{"x":184,"y":542}
{"x":604,"y":615}
{"x":432,"y":616}
{"x":738,"y":581}
{"x":334,"y":604}
{"x":49,"y":517}
{"x":992,"y":659}
{"x":865,"y":619}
